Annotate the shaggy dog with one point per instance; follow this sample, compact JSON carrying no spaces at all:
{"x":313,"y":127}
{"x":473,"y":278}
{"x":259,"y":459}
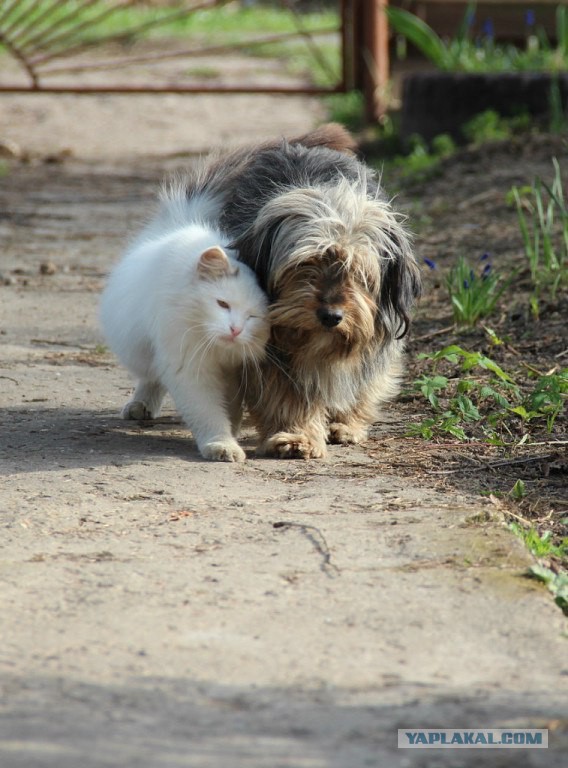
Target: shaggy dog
{"x":337,"y":265}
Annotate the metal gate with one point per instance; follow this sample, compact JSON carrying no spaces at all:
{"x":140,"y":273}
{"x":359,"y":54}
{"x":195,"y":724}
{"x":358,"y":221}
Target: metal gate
{"x":55,"y":46}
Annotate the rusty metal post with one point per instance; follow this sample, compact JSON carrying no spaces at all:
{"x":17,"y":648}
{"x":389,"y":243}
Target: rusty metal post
{"x":372,"y":56}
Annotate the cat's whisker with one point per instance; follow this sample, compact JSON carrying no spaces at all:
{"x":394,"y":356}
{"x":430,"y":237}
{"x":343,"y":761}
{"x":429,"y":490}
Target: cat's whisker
{"x":201,"y":349}
{"x":185,"y":363}
{"x":210,"y":342}
{"x":189,"y":329}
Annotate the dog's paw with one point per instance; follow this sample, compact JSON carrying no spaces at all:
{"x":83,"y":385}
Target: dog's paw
{"x":223,"y":451}
{"x":343,"y":434}
{"x":136,"y":410}
{"x":288,"y":445}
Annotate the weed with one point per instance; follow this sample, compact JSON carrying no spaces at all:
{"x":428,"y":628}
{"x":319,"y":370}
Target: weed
{"x":463,"y":54}
{"x":459,"y":401}
{"x":518,"y":491}
{"x":546,"y":400}
{"x":491,"y":126}
{"x":421,"y":161}
{"x":474,"y":293}
{"x":475,"y":397}
{"x":558,"y":119}
{"x":550,"y":550}
{"x":540,"y":544}
{"x":347,"y":108}
{"x":557,"y":583}
{"x":543,"y":222}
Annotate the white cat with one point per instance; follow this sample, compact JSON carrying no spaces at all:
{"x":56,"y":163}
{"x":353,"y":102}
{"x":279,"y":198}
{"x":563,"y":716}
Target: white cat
{"x":184,"y":317}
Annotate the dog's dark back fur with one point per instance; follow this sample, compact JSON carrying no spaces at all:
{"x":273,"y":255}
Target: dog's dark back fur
{"x":285,"y":167}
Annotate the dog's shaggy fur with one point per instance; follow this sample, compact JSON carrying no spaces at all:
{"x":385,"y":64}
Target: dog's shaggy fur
{"x":337,"y":264}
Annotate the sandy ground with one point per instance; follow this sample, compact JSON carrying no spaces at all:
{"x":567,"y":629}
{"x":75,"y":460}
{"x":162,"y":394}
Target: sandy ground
{"x":159,"y":610}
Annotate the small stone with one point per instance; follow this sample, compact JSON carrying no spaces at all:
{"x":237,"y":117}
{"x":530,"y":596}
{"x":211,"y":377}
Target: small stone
{"x":47,"y":268}
{"x":9,"y":149}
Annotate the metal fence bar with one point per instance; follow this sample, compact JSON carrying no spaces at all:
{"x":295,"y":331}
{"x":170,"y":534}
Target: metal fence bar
{"x":39,"y":49}
{"x":312,"y":90}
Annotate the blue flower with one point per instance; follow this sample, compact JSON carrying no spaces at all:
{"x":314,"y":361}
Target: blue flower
{"x":430,"y":263}
{"x":488,"y":29}
{"x":466,"y":284}
{"x":530,"y":18}
{"x":485,"y":256}
{"x":486,"y":272}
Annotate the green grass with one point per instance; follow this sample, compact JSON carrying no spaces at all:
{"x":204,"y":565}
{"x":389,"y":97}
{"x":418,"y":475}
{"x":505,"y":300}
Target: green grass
{"x":229,"y":22}
{"x":543,"y":221}
{"x":541,"y":544}
{"x":546,"y":550}
{"x":557,"y":583}
{"x":347,"y":108}
{"x":491,"y":126}
{"x":417,"y":160}
{"x":464,"y":54}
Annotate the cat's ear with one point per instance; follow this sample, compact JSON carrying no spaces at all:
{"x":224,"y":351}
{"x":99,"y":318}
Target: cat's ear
{"x":214,"y":263}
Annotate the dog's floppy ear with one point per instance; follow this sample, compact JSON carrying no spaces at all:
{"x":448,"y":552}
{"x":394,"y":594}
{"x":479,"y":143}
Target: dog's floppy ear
{"x":254,"y":250}
{"x":270,"y":244}
{"x":400,"y":287}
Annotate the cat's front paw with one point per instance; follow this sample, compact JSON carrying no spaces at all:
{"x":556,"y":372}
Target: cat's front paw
{"x":136,"y":410}
{"x":288,"y":445}
{"x":223,"y":451}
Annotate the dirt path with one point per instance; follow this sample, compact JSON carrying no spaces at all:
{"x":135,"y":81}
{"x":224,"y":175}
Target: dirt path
{"x":161,"y":610}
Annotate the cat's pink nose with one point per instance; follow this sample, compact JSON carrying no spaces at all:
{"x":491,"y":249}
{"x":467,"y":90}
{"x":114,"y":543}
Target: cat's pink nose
{"x":235,"y":331}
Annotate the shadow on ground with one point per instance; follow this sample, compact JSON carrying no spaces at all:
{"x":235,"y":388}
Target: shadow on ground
{"x":155,"y":721}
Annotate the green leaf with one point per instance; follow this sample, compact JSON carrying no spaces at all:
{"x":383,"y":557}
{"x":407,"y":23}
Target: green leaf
{"x":557,"y":583}
{"x":521,"y":411}
{"x":429,"y":386}
{"x":518,"y":491}
{"x":467,"y":409}
{"x":490,"y":365}
{"x":424,"y":429}
{"x":487,"y":392}
{"x":542,"y":573}
{"x":420,"y":35}
{"x":452,"y":353}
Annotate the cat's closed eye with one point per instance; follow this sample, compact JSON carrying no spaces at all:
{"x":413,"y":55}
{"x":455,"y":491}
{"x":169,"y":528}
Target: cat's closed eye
{"x":223,"y":304}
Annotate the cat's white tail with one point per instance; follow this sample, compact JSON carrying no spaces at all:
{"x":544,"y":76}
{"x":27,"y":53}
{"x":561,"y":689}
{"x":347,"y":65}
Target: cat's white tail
{"x":177,"y":210}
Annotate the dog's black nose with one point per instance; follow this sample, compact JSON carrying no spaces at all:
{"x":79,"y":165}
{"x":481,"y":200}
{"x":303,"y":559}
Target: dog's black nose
{"x":328,"y":317}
